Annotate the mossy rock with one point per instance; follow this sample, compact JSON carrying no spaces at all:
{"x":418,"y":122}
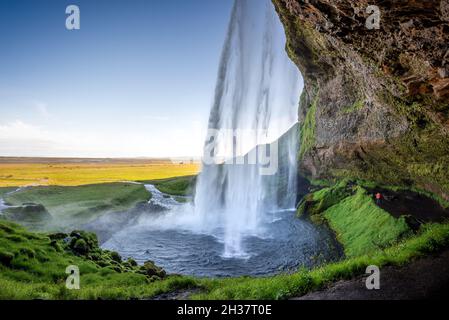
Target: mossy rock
{"x":16,"y":238}
{"x":56,"y":245}
{"x":83,"y":243}
{"x":6,"y":258}
{"x":30,"y":253}
{"x":150,"y":269}
{"x":316,"y":203}
{"x":116,"y":257}
{"x":80,"y":246}
{"x":132,"y":262}
{"x":58,"y":236}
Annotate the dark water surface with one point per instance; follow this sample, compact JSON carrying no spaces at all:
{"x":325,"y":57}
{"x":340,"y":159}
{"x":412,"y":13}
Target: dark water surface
{"x":288,"y":243}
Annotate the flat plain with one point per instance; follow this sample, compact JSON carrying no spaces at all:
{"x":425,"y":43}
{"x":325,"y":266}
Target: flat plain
{"x":18,"y":172}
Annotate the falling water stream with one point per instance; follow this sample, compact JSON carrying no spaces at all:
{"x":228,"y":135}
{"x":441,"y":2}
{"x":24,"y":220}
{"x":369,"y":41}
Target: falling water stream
{"x":241,"y":222}
{"x":256,"y":99}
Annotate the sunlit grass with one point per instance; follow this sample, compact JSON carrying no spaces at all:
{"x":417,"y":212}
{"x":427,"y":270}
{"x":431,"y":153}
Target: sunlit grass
{"x":432,"y":237}
{"x":74,"y":174}
{"x":32,"y":268}
{"x":361,"y":226}
{"x":81,"y":203}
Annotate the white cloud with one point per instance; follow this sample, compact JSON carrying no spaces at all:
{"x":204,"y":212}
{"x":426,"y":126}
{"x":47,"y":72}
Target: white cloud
{"x":18,"y":130}
{"x":22,"y":139}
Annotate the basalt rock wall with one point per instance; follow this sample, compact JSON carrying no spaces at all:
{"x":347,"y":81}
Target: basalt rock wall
{"x":376,"y":101}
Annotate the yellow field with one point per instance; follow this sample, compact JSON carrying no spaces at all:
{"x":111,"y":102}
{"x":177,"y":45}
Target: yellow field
{"x":18,"y":172}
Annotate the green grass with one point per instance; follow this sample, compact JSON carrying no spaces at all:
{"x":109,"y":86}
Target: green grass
{"x":369,"y":236}
{"x":180,"y":186}
{"x":120,"y":286}
{"x":4,"y":191}
{"x":32,"y":268}
{"x":37,"y":271}
{"x":356,"y":106}
{"x":361,"y":226}
{"x":82,"y":203}
{"x":431,"y":238}
{"x":18,"y":172}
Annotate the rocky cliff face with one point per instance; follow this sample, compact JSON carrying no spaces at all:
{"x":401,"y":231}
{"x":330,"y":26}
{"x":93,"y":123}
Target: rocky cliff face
{"x":376,"y":101}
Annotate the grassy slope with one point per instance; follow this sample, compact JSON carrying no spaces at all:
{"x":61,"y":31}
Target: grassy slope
{"x":179,"y":186}
{"x":42,"y":276}
{"x":31,"y":268}
{"x":361,"y":226}
{"x":346,"y":207}
{"x":369,"y":235}
{"x":74,"y":174}
{"x":82,"y":202}
{"x":4,"y":191}
{"x":430,"y":239}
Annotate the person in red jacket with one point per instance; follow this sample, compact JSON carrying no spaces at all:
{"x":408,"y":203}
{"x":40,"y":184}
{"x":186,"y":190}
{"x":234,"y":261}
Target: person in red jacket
{"x":378,"y":198}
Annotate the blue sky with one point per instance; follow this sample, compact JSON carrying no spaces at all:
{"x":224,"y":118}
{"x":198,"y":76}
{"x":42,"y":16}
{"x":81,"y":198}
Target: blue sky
{"x":136,"y":80}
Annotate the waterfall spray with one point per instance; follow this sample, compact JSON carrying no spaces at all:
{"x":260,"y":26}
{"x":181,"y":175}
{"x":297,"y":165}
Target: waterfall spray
{"x":256,"y":98}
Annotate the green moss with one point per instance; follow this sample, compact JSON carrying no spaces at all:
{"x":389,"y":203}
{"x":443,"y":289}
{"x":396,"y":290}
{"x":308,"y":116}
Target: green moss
{"x":316,"y":203}
{"x":307,"y":131}
{"x":350,"y":212}
{"x":179,"y":186}
{"x":417,"y":159}
{"x":356,"y":106}
{"x":320,"y":182}
{"x":363,"y":227}
{"x":33,"y":269}
{"x":302,"y":208}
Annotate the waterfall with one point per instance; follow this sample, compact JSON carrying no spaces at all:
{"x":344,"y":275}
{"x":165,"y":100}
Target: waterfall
{"x":255,"y":107}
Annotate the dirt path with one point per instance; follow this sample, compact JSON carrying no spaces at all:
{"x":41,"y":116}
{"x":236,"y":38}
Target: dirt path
{"x":417,"y":208}
{"x":426,"y":278}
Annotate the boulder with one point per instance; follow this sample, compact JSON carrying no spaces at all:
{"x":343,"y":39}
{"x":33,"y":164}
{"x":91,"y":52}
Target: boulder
{"x":150,"y":269}
{"x":6,"y":258}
